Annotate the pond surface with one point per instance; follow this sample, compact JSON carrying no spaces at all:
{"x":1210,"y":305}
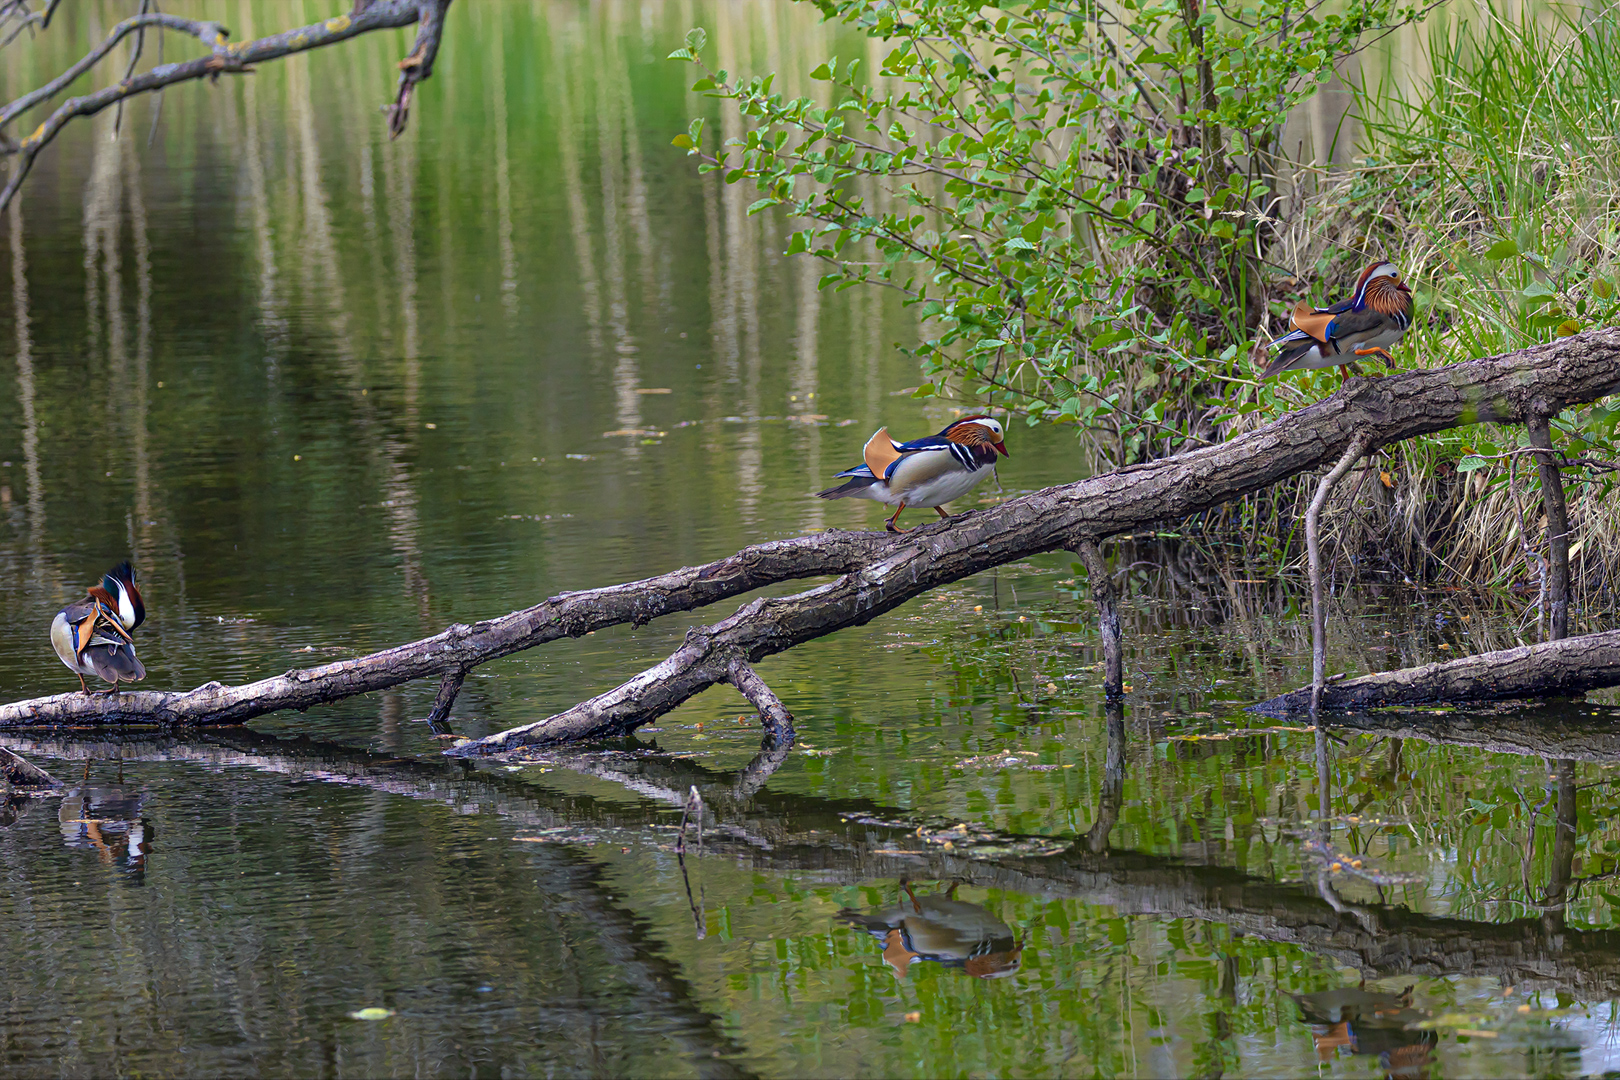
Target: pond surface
{"x":332,"y":394}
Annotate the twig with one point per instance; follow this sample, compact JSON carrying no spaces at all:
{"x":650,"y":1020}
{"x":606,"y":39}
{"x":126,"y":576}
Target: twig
{"x":1552,"y":499}
{"x":1313,"y":515}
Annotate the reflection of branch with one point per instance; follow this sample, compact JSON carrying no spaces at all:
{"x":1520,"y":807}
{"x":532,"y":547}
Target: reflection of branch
{"x":817,"y":838}
{"x":377,"y":15}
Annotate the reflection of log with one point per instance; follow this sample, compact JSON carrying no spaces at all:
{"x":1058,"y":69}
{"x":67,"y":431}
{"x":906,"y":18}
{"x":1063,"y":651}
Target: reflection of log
{"x":1552,"y":669}
{"x":815,"y":840}
{"x":18,"y":772}
{"x":880,"y":572}
{"x":1548,"y":732}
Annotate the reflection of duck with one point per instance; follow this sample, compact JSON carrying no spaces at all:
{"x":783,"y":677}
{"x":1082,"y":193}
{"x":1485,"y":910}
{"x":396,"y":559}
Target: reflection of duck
{"x":107,"y":821}
{"x":939,"y":927}
{"x":1355,"y":1020}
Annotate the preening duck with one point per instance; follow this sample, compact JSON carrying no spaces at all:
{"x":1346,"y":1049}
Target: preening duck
{"x":92,"y":636}
{"x":1369,"y":323}
{"x":924,"y":472}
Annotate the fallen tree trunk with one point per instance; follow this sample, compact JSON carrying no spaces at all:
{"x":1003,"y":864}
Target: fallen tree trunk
{"x":1551,"y":669}
{"x":1364,"y":414}
{"x":879,"y":572}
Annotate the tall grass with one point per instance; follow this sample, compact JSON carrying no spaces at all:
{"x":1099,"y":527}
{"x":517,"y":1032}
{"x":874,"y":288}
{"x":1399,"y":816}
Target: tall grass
{"x":1495,"y":186}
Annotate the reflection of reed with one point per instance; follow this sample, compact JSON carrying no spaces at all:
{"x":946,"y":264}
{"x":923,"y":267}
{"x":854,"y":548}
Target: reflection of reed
{"x":806,"y":385}
{"x":564,"y":42}
{"x":272,"y":319}
{"x":322,"y":266}
{"x":25,"y":398}
{"x":737,"y":320}
{"x":606,"y":63}
{"x":503,"y":180}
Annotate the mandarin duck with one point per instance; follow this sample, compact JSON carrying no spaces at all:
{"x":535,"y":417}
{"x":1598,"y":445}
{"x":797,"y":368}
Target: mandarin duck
{"x":941,"y":928}
{"x":92,"y":636}
{"x":924,"y":472}
{"x":1368,"y":324}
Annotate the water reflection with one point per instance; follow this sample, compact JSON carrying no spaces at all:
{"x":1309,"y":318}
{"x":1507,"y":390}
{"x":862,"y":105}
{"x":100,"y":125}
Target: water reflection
{"x":108,"y":821}
{"x":939,"y":928}
{"x":1356,"y":1020}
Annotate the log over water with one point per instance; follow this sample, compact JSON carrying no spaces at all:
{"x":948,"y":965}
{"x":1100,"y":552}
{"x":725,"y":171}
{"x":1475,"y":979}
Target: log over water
{"x":1563,"y":668}
{"x":877,"y":572}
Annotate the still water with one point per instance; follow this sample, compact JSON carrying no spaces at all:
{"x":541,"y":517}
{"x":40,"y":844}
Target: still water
{"x":332,"y":393}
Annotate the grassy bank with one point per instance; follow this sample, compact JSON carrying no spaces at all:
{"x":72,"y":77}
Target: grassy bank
{"x":1495,"y":186}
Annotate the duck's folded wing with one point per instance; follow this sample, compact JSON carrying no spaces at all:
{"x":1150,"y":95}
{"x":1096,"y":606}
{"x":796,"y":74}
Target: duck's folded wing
{"x":917,"y":467}
{"x":114,"y":660}
{"x":1353,"y":327}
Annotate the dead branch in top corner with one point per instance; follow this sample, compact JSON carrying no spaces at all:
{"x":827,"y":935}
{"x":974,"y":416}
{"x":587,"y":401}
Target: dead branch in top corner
{"x":224,"y":57}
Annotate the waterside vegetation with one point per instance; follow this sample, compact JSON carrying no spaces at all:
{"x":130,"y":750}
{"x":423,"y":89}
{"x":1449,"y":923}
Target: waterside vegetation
{"x":1094,"y":210}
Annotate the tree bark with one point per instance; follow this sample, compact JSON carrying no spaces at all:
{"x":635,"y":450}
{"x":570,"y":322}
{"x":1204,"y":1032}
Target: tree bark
{"x":1102,"y":591}
{"x":880,"y":572}
{"x":1552,"y":669}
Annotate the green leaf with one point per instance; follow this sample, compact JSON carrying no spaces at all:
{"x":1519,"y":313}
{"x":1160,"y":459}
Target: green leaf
{"x":696,"y":38}
{"x":683,"y":141}
{"x":1601,"y":288}
{"x":1502,"y":249}
{"x":681,"y":54}
{"x":822,"y":73}
{"x":1471,"y":462}
{"x":1568,"y":328}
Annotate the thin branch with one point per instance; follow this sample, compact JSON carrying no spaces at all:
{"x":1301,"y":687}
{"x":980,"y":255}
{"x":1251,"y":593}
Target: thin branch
{"x":227,"y":58}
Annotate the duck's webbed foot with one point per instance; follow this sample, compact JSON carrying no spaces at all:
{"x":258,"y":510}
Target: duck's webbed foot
{"x":1379,"y":351}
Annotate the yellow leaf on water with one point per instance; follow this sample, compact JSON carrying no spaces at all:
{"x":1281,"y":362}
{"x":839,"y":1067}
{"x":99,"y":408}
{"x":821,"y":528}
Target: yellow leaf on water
{"x":373,"y":1013}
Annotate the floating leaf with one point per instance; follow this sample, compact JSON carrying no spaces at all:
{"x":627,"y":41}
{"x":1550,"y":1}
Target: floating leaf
{"x":372,"y":1013}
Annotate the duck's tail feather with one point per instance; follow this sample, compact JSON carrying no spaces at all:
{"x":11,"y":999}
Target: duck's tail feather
{"x":853,"y":486}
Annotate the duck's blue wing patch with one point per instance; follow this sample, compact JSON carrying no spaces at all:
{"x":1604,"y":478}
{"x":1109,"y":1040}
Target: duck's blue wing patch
{"x":859,"y":470}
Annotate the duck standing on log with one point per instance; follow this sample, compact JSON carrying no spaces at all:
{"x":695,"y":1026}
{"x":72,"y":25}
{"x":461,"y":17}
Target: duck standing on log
{"x":92,"y":636}
{"x":1369,"y":323}
{"x":924,"y":472}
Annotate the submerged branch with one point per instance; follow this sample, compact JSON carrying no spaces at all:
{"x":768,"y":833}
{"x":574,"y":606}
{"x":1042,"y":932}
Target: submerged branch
{"x":1551,"y":669}
{"x":878,"y":572}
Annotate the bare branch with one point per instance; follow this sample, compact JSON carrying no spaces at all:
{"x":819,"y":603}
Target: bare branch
{"x":209,"y":33}
{"x":226,"y":58}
